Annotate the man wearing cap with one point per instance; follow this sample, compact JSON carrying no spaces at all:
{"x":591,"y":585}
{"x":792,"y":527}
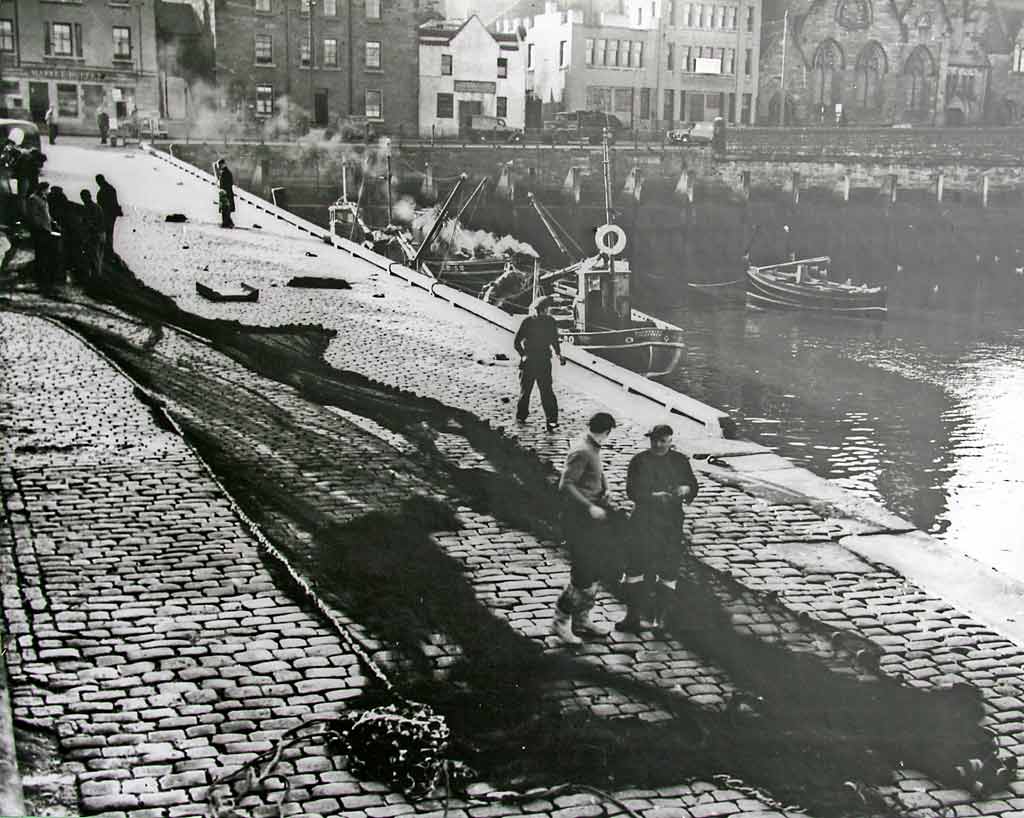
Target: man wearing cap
{"x":659,"y":481}
{"x":535,"y":340}
{"x":586,"y":526}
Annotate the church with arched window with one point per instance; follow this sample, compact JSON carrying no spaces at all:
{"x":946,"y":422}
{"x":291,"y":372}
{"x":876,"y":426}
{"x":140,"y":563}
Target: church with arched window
{"x":929,"y":62}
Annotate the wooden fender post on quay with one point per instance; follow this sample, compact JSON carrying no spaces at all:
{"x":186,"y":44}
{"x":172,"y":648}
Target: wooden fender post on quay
{"x":745,"y":185}
{"x":793,"y":188}
{"x":940,"y":186}
{"x":889,"y":187}
{"x":984,"y":189}
{"x":428,"y":190}
{"x":632,"y":180}
{"x":573,"y":184}
{"x":506,"y":187}
{"x":844,"y":187}
{"x":687,"y":185}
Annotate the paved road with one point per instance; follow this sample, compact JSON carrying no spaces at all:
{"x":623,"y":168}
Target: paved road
{"x":776,"y":571}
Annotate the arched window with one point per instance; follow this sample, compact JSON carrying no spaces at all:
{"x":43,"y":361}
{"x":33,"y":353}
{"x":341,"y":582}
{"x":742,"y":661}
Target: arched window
{"x":872,"y":65}
{"x":920,"y":74}
{"x":853,"y":15}
{"x":827,"y":69}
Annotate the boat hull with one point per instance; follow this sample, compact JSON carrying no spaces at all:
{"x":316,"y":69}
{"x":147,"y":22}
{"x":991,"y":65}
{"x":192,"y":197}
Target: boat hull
{"x":768,"y":293}
{"x":650,"y":351}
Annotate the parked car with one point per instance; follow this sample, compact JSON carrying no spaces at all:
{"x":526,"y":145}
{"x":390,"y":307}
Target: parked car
{"x":21,"y":132}
{"x":571,"y":126}
{"x":485,"y":128}
{"x":693,"y":133}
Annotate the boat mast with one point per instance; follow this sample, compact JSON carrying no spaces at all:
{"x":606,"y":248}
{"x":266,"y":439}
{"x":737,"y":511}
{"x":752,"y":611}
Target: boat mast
{"x":607,"y":177}
{"x":435,"y":228}
{"x":547,"y":224}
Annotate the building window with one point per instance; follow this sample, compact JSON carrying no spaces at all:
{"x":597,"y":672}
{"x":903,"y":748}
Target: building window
{"x":261,"y":5}
{"x":122,"y":43}
{"x":563,"y":54}
{"x":331,"y":53}
{"x":639,"y":16}
{"x":1017,"y":66}
{"x":669,"y":111}
{"x":613,"y":52}
{"x":703,"y":10}
{"x":372,"y":10}
{"x":330,"y":8}
{"x":303,"y":6}
{"x":689,"y":15}
{"x":67,"y":99}
{"x":730,"y":61}
{"x":61,"y":44}
{"x":638,"y":54}
{"x":264,"y":100}
{"x":501,"y":107}
{"x":645,"y":103}
{"x":373,"y":54}
{"x":374,"y":104}
{"x":264,"y":49}
{"x":588,"y":51}
{"x":750,"y":18}
{"x":722,"y":12}
{"x":305,"y":58}
{"x":446,"y":106}
{"x":502,"y":68}
{"x":7,"y":36}
{"x":670,"y":57}
{"x":600,"y":54}
{"x":688,"y":64}
{"x":732,"y":107}
{"x":672,"y":12}
{"x":624,"y":53}
{"x":745,"y":111}
{"x":446,"y":65}
{"x":529,"y":55}
{"x":748,"y":63}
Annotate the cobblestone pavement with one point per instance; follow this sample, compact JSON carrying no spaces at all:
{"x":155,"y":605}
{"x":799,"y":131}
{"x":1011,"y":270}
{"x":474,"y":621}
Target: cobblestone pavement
{"x":404,"y":338}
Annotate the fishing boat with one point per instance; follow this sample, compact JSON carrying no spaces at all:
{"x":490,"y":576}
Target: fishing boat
{"x":804,"y":284}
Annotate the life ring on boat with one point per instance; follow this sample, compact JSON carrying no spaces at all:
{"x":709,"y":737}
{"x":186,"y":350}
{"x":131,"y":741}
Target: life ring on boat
{"x":629,"y":339}
{"x":602,"y":234}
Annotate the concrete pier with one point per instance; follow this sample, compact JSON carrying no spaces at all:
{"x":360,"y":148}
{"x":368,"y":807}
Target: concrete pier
{"x":165,"y":610}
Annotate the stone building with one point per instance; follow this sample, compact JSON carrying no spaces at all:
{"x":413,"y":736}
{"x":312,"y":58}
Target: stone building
{"x":652,"y":64}
{"x":465,"y":69}
{"x":79,"y":57}
{"x":926,"y":62}
{"x":336,"y":62}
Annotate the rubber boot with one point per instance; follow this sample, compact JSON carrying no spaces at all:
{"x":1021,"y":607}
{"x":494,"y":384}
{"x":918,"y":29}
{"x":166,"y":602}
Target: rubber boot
{"x":584,"y":626}
{"x":562,"y":628}
{"x":663,"y":595}
{"x":633,"y":593}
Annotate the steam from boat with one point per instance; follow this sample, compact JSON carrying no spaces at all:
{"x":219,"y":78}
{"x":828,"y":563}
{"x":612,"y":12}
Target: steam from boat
{"x":455,"y":238}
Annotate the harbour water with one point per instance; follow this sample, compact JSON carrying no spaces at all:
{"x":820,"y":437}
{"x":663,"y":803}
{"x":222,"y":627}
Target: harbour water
{"x":919,"y":412}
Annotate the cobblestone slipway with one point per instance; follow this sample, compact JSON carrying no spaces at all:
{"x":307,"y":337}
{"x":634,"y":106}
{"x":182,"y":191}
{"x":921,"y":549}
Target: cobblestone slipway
{"x":148,"y":635}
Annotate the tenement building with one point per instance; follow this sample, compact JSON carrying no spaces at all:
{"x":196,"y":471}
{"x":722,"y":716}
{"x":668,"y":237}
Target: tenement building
{"x":652,"y":64}
{"x":465,"y":69}
{"x":335,"y":61}
{"x":80,"y":58}
{"x":876,"y":61}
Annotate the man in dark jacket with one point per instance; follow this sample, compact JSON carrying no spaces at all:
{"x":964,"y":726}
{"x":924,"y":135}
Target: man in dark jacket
{"x":226,"y":197}
{"x":106,"y":198}
{"x":92,"y":242}
{"x":536,"y":339}
{"x":103,"y":123}
{"x":588,"y":523}
{"x":659,"y":481}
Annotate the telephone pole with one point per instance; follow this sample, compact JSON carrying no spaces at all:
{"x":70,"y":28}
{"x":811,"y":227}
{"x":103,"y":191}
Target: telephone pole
{"x":782,"y":75}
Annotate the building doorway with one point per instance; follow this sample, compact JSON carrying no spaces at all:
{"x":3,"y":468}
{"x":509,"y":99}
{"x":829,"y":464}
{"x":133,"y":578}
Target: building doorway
{"x":320,"y":115}
{"x":38,"y":100}
{"x":467,"y":110}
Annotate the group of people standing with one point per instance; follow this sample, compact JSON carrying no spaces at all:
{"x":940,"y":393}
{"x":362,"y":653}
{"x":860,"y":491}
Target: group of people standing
{"x":67,"y":236}
{"x":643,"y":550}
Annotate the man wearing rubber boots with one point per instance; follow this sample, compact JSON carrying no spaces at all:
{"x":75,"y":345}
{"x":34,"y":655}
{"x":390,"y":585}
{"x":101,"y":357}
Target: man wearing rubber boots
{"x":536,"y":339}
{"x":586,"y":525}
{"x":660,"y":481}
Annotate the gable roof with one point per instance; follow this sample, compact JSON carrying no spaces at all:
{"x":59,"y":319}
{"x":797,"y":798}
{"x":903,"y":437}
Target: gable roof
{"x":442,"y":32}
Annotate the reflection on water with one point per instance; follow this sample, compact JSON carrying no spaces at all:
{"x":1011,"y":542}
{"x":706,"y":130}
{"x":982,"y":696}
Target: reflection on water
{"x":920,"y":414}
